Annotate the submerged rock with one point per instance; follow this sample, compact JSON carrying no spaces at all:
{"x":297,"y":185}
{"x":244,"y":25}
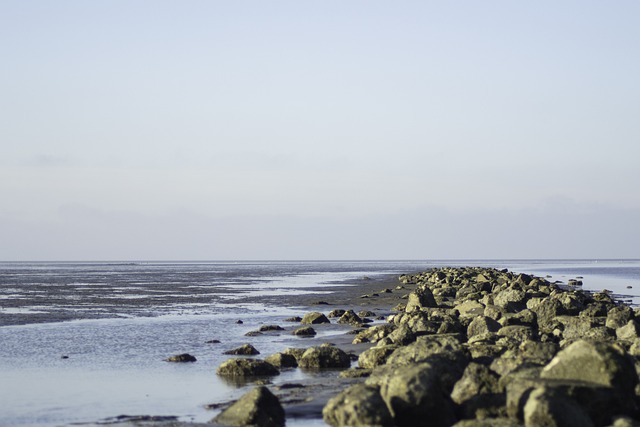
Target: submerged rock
{"x":181,"y":358}
{"x":244,"y":350}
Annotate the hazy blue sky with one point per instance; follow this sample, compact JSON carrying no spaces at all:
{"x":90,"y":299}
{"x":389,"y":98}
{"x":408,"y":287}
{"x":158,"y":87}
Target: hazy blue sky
{"x":319,"y":130}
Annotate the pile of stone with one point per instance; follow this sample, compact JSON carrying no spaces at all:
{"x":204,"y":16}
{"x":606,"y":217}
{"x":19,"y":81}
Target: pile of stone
{"x":485,"y":347}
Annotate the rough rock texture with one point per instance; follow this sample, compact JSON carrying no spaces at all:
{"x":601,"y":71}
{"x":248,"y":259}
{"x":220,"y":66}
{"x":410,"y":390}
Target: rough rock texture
{"x":244,"y":350}
{"x":259,"y":408}
{"x":181,"y":358}
{"x":282,"y":360}
{"x":324,"y":357}
{"x":246,"y":368}
{"x":359,"y":406}
{"x":305,"y":331}
{"x":546,"y":408}
{"x":314,"y":318}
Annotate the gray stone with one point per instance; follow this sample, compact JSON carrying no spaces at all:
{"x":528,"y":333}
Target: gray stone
{"x":599,"y":363}
{"x":246,"y":368}
{"x":257,"y":408}
{"x":619,"y":316}
{"x":628,"y":332}
{"x":243,"y":350}
{"x":374,"y":334}
{"x":181,"y":358}
{"x":282,"y":360}
{"x":350,"y":318}
{"x":545,"y":408}
{"x":482,"y":325}
{"x":414,"y":394}
{"x":324,"y":357}
{"x":375,"y":356}
{"x":359,"y":406}
{"x":314,"y":318}
{"x":305,"y":331}
{"x":422,"y":297}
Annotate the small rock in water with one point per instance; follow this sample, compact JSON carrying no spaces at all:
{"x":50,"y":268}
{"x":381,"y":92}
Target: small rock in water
{"x":253,"y":334}
{"x":265,"y":328}
{"x":321,"y":303}
{"x":306,"y":331}
{"x":293,"y":319}
{"x":629,"y":287}
{"x":181,"y":358}
{"x":245,"y":350}
{"x":64,"y":357}
{"x":213,"y":342}
{"x":239,"y":322}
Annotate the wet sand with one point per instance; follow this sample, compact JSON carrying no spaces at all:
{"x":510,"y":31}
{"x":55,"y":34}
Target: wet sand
{"x":304,"y":399}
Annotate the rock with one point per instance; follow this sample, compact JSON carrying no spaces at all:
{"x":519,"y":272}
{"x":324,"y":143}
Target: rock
{"x":422,"y":297}
{"x":244,"y":350}
{"x":336,"y":313}
{"x":359,"y":406}
{"x":350,"y":318}
{"x":259,"y":407}
{"x":511,"y":299}
{"x":470,"y":309}
{"x":179,"y":358}
{"x":246,"y":368}
{"x":266,"y":328}
{"x":295,"y":352}
{"x":253,"y":334}
{"x":212,"y":342}
{"x":375,"y":356}
{"x":315,"y":318}
{"x":414,"y":393}
{"x":355,"y":373}
{"x":619,"y":316}
{"x":628,"y":332}
{"x":517,"y":332}
{"x":366,"y":313}
{"x":324,"y":357}
{"x":599,"y":363}
{"x":306,"y":331}
{"x":545,"y":408}
{"x":282,"y":360}
{"x":482,"y":325}
{"x":374,"y":333}
{"x":402,"y":335}
{"x":293,"y":319}
{"x":478,"y":393}
{"x":477,"y":379}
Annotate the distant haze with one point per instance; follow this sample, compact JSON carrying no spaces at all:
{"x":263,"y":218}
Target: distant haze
{"x":319,"y":130}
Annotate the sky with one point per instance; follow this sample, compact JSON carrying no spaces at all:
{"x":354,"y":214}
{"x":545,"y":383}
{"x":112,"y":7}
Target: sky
{"x":238,"y":130}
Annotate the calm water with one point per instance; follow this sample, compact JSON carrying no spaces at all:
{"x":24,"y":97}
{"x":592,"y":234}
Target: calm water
{"x":117,"y":322}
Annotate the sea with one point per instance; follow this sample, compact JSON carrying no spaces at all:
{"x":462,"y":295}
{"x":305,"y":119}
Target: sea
{"x":82,"y":343}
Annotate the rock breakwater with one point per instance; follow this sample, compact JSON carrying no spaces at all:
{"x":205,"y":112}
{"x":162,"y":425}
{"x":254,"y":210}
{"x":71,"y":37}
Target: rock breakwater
{"x":487,"y":347}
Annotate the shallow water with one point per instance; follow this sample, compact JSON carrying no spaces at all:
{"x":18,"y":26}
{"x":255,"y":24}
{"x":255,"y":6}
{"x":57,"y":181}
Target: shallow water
{"x":116,"y":323}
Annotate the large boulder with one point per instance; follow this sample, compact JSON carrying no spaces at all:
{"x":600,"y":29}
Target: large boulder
{"x":596,"y":362}
{"x":422,"y":297}
{"x":314,"y":318}
{"x":350,"y":318}
{"x":257,"y":408}
{"x":324,"y":356}
{"x":282,"y":360}
{"x":478,"y":392}
{"x":246,"y":368}
{"x":482,"y":325}
{"x":549,"y":409}
{"x":359,"y":406}
{"x":375,"y":356}
{"x":414,"y":394}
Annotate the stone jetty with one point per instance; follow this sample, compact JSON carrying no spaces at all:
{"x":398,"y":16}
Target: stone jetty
{"x":485,"y":347}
